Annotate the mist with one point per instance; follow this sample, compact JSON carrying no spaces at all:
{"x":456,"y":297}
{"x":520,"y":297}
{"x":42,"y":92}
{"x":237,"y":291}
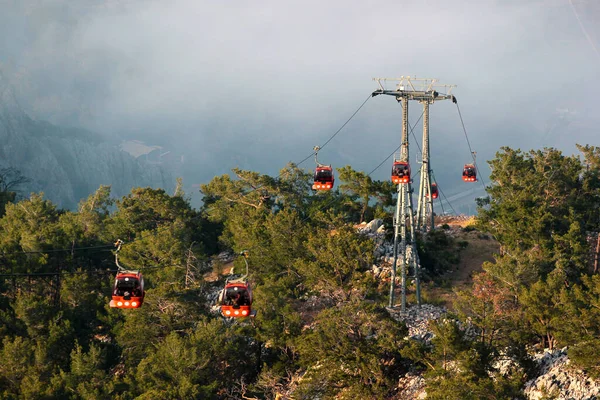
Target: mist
{"x":258,"y":84}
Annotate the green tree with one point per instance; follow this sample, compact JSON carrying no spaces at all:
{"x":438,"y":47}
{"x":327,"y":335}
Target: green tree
{"x":339,"y":256}
{"x":83,"y":297}
{"x":458,"y":368}
{"x":351,"y":352}
{"x":86,"y":226}
{"x":16,"y":355}
{"x":87,"y":377}
{"x":27,"y":229}
{"x":10,"y":180}
{"x":580,"y":323}
{"x":533,"y":202}
{"x":358,"y":184}
{"x":159,"y":231}
{"x":591,"y":187}
{"x":197,"y":365}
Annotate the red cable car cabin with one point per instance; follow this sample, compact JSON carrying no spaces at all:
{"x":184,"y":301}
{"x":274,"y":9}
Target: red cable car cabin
{"x":236,"y":300}
{"x":469,"y":173}
{"x":400,"y":172}
{"x":128,"y":291}
{"x":434,"y":191}
{"x":323,"y":179}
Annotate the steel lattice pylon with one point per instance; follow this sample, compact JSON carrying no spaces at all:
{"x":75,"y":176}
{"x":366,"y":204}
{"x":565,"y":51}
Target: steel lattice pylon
{"x":423,"y":91}
{"x":425,"y":205}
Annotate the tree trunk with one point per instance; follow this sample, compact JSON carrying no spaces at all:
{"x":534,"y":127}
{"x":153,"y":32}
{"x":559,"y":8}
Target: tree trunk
{"x":364,"y":210}
{"x":597,"y":254}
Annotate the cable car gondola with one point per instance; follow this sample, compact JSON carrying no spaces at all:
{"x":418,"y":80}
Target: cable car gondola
{"x":235,"y":300}
{"x":323,"y":178}
{"x":401,"y":172}
{"x":469,"y":173}
{"x":434,"y":191}
{"x":128,"y":291}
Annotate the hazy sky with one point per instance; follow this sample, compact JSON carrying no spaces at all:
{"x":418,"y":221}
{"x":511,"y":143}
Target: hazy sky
{"x":258,"y":83}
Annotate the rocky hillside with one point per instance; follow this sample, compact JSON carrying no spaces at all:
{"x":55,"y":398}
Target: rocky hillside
{"x":67,"y":164}
{"x":555,"y":377}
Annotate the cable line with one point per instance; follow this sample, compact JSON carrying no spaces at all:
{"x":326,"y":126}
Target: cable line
{"x":468,"y":143}
{"x":97,"y":271}
{"x":281,"y":174}
{"x":70,"y":249}
{"x":336,"y":132}
{"x":587,"y":36}
{"x":447,"y":201}
{"x":387,"y":158}
{"x":159,"y":228}
{"x":397,"y":148}
{"x":438,"y":187}
{"x":370,"y":173}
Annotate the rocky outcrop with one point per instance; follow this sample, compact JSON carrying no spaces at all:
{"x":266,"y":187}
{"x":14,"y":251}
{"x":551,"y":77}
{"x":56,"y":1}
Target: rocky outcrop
{"x":68,"y":164}
{"x":558,"y":380}
{"x":417,"y":319}
{"x":410,"y":387}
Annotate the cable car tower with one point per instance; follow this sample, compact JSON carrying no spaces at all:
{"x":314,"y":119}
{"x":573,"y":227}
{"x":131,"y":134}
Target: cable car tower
{"x":424,"y":91}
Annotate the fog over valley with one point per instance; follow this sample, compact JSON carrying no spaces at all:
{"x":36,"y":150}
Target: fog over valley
{"x":255,"y":85}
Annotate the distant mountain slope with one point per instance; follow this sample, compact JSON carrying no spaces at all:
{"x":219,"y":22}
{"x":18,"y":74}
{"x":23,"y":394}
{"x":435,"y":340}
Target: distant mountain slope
{"x":68,"y":164}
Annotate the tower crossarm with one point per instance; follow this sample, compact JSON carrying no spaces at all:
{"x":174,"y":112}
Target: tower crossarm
{"x":412,"y":88}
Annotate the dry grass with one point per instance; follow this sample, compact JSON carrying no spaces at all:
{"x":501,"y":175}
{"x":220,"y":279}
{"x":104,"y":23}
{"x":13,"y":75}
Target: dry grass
{"x":478,"y":251}
{"x":480,"y":248}
{"x":222,"y":270}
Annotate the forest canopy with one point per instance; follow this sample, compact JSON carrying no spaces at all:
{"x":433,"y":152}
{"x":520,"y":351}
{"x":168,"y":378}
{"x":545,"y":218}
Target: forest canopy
{"x":321,"y":328}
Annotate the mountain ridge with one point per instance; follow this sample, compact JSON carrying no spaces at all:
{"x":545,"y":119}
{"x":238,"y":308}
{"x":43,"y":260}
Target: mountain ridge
{"x":68,"y":163}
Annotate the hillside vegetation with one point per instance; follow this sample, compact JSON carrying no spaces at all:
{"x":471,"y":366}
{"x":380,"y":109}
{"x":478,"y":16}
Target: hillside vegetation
{"x":322,"y":329}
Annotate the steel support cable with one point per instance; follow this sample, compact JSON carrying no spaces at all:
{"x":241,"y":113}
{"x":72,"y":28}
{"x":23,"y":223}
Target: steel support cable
{"x":102,"y":247}
{"x":398,"y":148}
{"x":77,"y":249}
{"x":98,"y":249}
{"x":370,"y":173}
{"x":158,"y":229}
{"x":447,"y":201}
{"x":442,"y":205}
{"x":383,"y":162}
{"x":338,"y":131}
{"x":587,"y":36}
{"x":434,"y":181}
{"x":280,"y":175}
{"x":445,"y":198}
{"x":32,"y":274}
{"x":164,"y":227}
{"x":70,"y":249}
{"x":469,"y":143}
{"x":98,"y":271}
{"x":413,"y":132}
